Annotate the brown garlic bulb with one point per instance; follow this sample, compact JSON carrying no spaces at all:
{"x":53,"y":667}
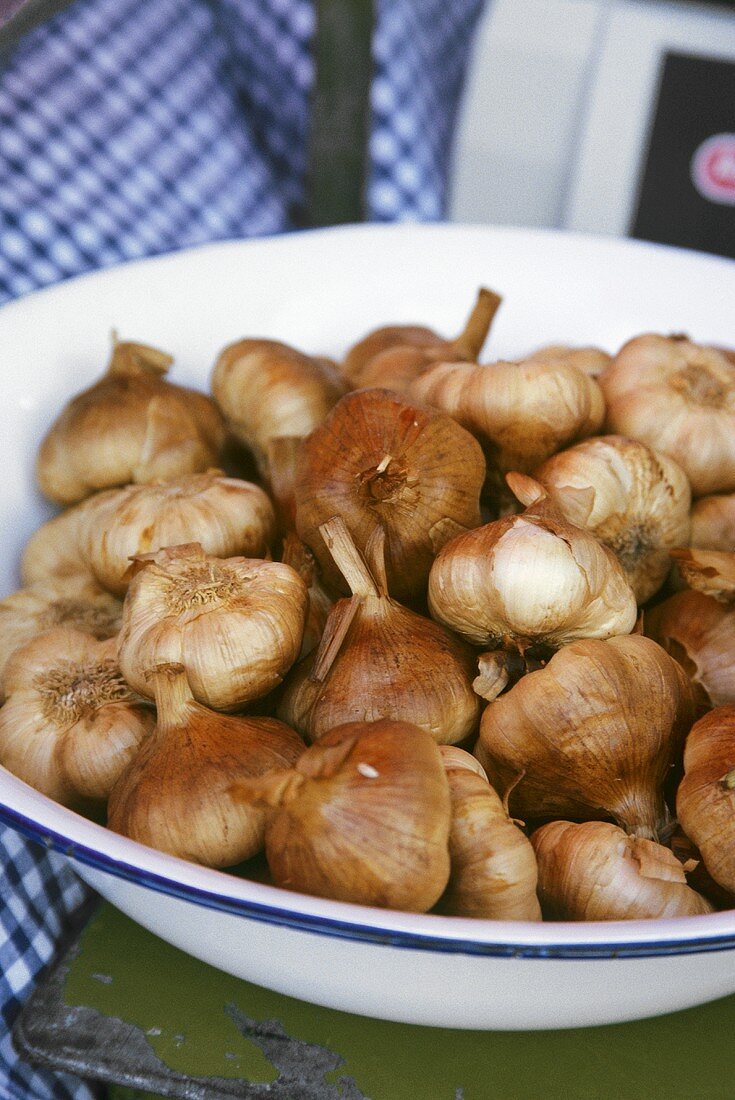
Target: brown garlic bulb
{"x":493,"y":864}
{"x":132,"y":425}
{"x":71,"y":724}
{"x":595,"y":871}
{"x":592,"y":735}
{"x":363,"y":817}
{"x":522,"y":413}
{"x":705,"y":801}
{"x":713,"y":523}
{"x":678,"y":397}
{"x":41,"y":607}
{"x":380,"y":462}
{"x":392,"y":357}
{"x":590,"y":360}
{"x":268,"y":390}
{"x":699,"y":632}
{"x":227,"y":516}
{"x":630,"y":497}
{"x":53,"y":553}
{"x":174,"y":794}
{"x":528,"y":579}
{"x":235,"y":624}
{"x":378,"y":660}
{"x":299,"y":557}
{"x":708,"y":571}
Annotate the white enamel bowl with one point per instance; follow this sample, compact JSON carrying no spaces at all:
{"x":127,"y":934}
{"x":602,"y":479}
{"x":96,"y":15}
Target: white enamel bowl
{"x":321,"y":291}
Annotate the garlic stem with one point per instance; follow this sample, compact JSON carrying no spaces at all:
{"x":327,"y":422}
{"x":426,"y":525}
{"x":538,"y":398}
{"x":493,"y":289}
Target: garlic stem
{"x":172,"y":693}
{"x":468,"y":344}
{"x":347,"y":557}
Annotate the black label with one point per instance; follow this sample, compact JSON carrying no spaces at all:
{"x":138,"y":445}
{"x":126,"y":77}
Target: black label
{"x":687,"y":191}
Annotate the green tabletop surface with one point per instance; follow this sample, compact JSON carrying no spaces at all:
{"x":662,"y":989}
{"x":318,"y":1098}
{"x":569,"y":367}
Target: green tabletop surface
{"x":125,"y":1007}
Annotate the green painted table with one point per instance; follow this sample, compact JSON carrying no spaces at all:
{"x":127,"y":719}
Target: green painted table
{"x":125,"y":1007}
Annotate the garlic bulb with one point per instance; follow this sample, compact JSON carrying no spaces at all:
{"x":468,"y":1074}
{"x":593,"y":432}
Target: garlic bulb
{"x":53,"y":554}
{"x":71,"y":724}
{"x":591,"y":735}
{"x":522,"y":413}
{"x":493,"y":864}
{"x":380,"y":462}
{"x":530,"y":579}
{"x":227,"y":516}
{"x":42,"y":607}
{"x":132,"y":425}
{"x":590,"y":360}
{"x":713,"y":523}
{"x":678,"y":397}
{"x":705,"y":801}
{"x":174,"y":794}
{"x":708,"y":571}
{"x":378,"y":660}
{"x":268,"y":390}
{"x":363,"y":817}
{"x":633,"y":499}
{"x":392,"y":357}
{"x":699,"y":632}
{"x":235,"y":624}
{"x":594,"y":871}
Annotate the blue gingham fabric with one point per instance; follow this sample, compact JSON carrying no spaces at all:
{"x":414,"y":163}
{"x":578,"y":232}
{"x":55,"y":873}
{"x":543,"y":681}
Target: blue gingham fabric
{"x":130,"y":128}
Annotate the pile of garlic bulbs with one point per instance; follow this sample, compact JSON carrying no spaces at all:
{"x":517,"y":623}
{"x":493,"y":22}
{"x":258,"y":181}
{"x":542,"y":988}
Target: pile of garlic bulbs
{"x":466,"y":648}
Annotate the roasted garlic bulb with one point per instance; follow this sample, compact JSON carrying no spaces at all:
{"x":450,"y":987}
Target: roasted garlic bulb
{"x":705,"y":801}
{"x":713,"y":523}
{"x":71,"y":724}
{"x":235,"y":624}
{"x":132,"y":425}
{"x":699,"y":632}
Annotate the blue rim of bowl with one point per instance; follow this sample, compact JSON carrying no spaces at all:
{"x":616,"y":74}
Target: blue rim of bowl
{"x":326,"y":926}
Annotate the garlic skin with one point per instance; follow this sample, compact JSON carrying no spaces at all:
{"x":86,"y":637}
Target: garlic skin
{"x":592,"y":735}
{"x":174,"y":794}
{"x":33,"y":610}
{"x":530,"y":579}
{"x":235,"y":624}
{"x":381,"y":462}
{"x":268,"y":390}
{"x":590,"y":360}
{"x":699,"y":632}
{"x":393,"y":357}
{"x":53,"y":553}
{"x":594,"y":871}
{"x":494,"y":873}
{"x":521,"y":413}
{"x":633,"y":499}
{"x":705,"y":801}
{"x":71,"y":724}
{"x":227,"y":516}
{"x":299,"y":557}
{"x":708,"y":571}
{"x":378,"y":660}
{"x":713,"y":523}
{"x":132,"y":425}
{"x":679,"y":397}
{"x":363,"y":817}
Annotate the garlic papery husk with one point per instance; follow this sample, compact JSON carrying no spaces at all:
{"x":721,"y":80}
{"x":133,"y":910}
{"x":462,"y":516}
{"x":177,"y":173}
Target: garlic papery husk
{"x":298,"y":555}
{"x":493,"y":872}
{"x":699,"y":632}
{"x":235,"y":624}
{"x":53,"y":553}
{"x":41,"y":607}
{"x":595,"y":871}
{"x":708,"y":571}
{"x":174,"y":794}
{"x":364,"y":817}
{"x":705,"y":801}
{"x":590,"y":360}
{"x":132,"y":425}
{"x":678,"y":397}
{"x":381,"y":462}
{"x":531,"y":578}
{"x":521,"y":413}
{"x":378,"y":660}
{"x":268,"y":390}
{"x":713,"y":523}
{"x":592,"y":735}
{"x":630,"y":497}
{"x":70,"y":724}
{"x":227,"y":516}
{"x":394,"y":356}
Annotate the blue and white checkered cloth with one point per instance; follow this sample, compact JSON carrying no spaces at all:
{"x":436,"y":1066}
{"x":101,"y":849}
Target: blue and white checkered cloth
{"x":130,"y":128}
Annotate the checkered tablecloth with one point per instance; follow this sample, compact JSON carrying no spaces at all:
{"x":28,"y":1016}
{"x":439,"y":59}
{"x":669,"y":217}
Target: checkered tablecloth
{"x":130,"y":128}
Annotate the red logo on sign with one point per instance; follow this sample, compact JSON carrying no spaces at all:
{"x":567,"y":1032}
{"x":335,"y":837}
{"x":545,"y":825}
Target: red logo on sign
{"x":713,"y":169}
